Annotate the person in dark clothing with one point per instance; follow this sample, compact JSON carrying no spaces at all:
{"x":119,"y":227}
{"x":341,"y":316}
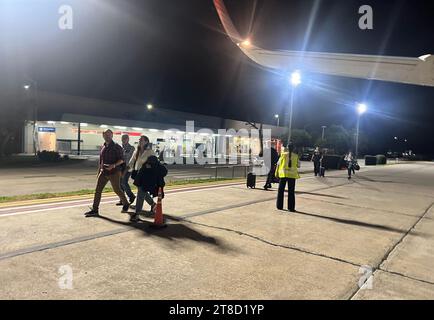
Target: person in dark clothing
{"x":149,"y":180}
{"x":322,"y":167}
{"x":316,"y":159}
{"x":271,"y":176}
{"x":111,"y":160}
{"x":128,"y":154}
{"x":350,"y":162}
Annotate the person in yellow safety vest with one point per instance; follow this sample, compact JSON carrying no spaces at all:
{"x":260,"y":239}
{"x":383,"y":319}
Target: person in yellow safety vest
{"x":287,"y":172}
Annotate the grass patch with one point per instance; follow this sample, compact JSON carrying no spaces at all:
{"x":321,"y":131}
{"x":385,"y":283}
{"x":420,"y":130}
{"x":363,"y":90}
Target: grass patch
{"x":106,"y":190}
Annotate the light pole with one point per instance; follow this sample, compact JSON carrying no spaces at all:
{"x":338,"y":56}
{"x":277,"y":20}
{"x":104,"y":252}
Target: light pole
{"x":361,"y":109}
{"x":278,"y":119}
{"x":295,"y":82}
{"x":323,"y":131}
{"x":34,"y":85}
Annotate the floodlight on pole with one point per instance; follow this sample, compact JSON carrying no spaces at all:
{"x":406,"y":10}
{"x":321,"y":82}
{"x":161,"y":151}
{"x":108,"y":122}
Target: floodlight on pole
{"x":31,"y":86}
{"x":361,"y":109}
{"x":278,"y":119}
{"x":150,"y":106}
{"x":295,"y":82}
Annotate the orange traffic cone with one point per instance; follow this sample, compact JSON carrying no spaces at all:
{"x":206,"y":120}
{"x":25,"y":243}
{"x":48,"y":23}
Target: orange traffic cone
{"x":159,"y":218}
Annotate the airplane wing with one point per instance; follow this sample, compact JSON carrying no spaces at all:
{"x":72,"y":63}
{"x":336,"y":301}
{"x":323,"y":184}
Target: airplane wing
{"x":417,"y":71}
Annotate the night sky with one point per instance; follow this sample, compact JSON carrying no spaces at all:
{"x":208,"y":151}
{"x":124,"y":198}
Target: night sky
{"x":174,"y":54}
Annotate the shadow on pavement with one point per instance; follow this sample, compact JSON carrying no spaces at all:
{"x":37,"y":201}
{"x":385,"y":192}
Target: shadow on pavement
{"x":320,"y":195}
{"x":353,"y":222}
{"x":373,"y":180}
{"x":172,"y":232}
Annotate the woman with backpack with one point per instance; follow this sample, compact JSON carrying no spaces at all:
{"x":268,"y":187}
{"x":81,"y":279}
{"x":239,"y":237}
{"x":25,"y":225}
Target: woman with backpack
{"x":149,"y":180}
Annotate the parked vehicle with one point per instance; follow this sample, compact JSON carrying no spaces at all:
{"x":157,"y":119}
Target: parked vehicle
{"x":306,"y":154}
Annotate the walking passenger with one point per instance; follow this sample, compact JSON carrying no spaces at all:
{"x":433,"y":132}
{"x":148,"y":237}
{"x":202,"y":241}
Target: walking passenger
{"x":316,"y":159}
{"x":110,"y":161}
{"x":270,"y":177}
{"x":126,"y":174}
{"x":350,"y":162}
{"x":287,"y":172}
{"x":149,"y":180}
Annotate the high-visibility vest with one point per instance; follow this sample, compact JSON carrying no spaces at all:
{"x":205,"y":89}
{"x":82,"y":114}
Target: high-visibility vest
{"x":282,"y":169}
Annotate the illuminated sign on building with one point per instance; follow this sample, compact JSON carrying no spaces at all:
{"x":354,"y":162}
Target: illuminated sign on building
{"x":46,"y":129}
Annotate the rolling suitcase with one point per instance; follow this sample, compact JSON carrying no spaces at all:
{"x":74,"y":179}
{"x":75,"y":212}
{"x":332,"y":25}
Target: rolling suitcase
{"x":251,"y":181}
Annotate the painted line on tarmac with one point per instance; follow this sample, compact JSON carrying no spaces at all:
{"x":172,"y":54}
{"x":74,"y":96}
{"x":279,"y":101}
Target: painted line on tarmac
{"x":184,"y":218}
{"x":7,"y":212}
{"x":13,"y":211}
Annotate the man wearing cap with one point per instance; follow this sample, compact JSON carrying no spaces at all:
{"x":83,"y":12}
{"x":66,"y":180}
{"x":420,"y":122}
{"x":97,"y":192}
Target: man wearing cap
{"x":110,"y":161}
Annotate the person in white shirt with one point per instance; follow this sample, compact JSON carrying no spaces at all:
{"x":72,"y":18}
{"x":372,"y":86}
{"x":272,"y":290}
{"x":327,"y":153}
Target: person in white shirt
{"x":349,"y":159}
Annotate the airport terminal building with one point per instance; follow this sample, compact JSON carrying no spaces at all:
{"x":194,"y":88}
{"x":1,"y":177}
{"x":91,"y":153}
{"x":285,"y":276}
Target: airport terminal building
{"x":80,"y":133}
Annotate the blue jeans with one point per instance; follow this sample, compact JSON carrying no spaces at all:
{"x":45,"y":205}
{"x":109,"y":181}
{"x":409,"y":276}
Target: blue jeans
{"x":125,"y":186}
{"x":143,"y":195}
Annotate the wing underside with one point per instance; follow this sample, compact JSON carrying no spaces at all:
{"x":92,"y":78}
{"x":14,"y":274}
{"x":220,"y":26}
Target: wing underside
{"x":417,"y":71}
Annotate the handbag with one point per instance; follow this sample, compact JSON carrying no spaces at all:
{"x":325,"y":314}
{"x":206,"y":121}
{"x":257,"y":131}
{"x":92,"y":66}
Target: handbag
{"x":134,"y":172}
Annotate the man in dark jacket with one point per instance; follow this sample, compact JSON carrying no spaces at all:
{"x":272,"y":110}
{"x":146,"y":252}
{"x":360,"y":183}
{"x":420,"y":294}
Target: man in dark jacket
{"x":149,"y":180}
{"x":270,"y":177}
{"x":316,"y":159}
{"x":128,"y":153}
{"x":110,"y":162}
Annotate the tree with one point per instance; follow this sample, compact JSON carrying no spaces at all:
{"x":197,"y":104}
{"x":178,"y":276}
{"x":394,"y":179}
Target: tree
{"x":301,"y":138}
{"x":337,"y":138}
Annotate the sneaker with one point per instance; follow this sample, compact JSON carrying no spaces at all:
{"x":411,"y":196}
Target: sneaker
{"x":132,"y":199}
{"x":92,"y":213}
{"x":119,"y":203}
{"x":134,"y":218}
{"x":147,"y":214}
{"x":125,"y":208}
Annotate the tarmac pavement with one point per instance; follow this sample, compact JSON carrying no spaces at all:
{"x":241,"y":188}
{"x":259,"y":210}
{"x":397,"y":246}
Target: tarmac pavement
{"x":368,"y":238}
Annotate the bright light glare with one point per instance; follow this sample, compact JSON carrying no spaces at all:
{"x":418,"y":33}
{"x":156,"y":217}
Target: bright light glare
{"x":295,"y":79}
{"x":276,"y":116}
{"x":103,"y":126}
{"x":27,"y":87}
{"x":362,"y":108}
{"x":83,"y":124}
{"x":150,"y":106}
{"x":246,"y":43}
